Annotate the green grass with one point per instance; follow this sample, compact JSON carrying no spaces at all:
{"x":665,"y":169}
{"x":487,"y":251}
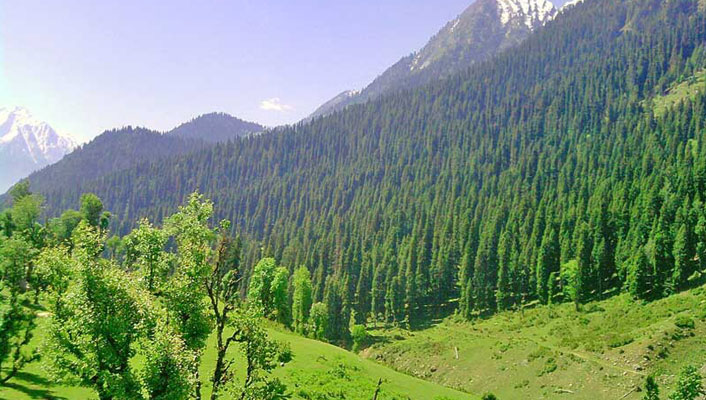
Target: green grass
{"x":688,"y":89}
{"x":604,"y":351}
{"x":317,"y":371}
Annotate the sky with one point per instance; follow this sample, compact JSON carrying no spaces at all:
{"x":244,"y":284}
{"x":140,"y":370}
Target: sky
{"x":87,"y":66}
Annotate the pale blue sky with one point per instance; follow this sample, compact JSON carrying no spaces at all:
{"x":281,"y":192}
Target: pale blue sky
{"x":86,"y":65}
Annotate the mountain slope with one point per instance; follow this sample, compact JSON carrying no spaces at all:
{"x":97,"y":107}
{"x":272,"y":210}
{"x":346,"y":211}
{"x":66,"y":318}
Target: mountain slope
{"x":484,"y":29}
{"x":215,"y":128}
{"x":26,"y":145}
{"x":109,"y":152}
{"x":119,"y":149}
{"x":496,"y":188}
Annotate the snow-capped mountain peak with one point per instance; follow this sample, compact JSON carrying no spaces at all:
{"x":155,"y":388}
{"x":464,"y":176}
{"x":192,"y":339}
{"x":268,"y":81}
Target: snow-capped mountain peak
{"x":27,"y":144}
{"x":530,"y":13}
{"x":570,"y":4}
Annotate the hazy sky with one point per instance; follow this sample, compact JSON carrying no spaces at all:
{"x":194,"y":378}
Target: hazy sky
{"x":87,"y":66}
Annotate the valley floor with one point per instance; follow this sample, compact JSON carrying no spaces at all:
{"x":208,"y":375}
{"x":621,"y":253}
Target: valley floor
{"x":604,"y":351}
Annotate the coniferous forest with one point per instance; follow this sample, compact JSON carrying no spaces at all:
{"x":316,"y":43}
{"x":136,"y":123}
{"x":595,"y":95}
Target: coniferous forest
{"x":561,"y":171}
{"x":542,"y":175}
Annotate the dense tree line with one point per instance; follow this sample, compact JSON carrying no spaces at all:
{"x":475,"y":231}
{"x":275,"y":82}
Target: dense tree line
{"x":543,"y":175}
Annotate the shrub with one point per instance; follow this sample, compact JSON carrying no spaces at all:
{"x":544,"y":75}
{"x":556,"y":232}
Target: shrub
{"x":359,"y":335}
{"x":619,"y":341}
{"x":684,"y":322}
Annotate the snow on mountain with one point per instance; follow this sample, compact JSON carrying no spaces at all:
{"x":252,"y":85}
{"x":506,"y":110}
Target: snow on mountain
{"x":27,"y":144}
{"x":571,"y":3}
{"x":531,"y":13}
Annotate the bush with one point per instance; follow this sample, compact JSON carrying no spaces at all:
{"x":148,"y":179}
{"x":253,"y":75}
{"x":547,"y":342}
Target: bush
{"x":284,"y":354}
{"x":359,"y":335}
{"x":619,"y":341}
{"x":684,"y":322}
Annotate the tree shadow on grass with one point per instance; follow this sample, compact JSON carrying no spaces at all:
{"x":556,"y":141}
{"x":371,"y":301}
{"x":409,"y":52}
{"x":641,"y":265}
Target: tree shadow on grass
{"x":33,"y":393}
{"x":36,"y":380}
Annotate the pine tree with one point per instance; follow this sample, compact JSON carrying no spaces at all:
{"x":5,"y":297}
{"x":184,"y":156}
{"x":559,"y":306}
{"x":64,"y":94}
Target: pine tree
{"x":547,"y":262}
{"x":504,"y":294}
{"x":682,"y":269}
{"x":639,"y":280}
{"x":585,"y":278}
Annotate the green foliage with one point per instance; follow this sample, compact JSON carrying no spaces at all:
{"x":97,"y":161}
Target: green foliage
{"x":280,"y":296}
{"x":359,"y":335}
{"x":159,"y":308}
{"x":392,"y":198}
{"x":684,"y":322}
{"x":651,"y":389}
{"x":144,"y":251}
{"x":62,"y":227}
{"x":301,"y":299}
{"x":16,"y":325}
{"x":689,"y":385}
{"x":262,"y":355}
{"x":18,"y":251}
{"x":260,"y":288}
{"x":640,"y":277}
{"x":167,"y":369}
{"x":96,"y":322}
{"x":91,"y":209}
{"x":185,"y":292}
{"x":319,"y":321}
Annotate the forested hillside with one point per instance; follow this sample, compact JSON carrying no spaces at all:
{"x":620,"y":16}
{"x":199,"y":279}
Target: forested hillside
{"x":111,"y":151}
{"x":541,"y":175}
{"x":119,"y":149}
{"x":215,"y":128}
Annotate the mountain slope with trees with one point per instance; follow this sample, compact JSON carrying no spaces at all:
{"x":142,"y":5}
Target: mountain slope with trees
{"x":542,"y":175}
{"x":128,"y":147}
{"x":216,"y":128}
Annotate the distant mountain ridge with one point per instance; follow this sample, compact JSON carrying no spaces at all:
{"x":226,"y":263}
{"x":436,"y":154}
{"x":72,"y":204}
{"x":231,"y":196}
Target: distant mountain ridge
{"x":27,"y":144}
{"x":118,"y":149}
{"x":484,"y":29}
{"x":216,"y":127}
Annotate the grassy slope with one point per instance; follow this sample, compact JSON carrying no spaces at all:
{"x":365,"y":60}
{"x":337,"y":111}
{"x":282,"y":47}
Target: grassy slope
{"x":604,"y":351}
{"x":317,"y":371}
{"x":688,"y":89}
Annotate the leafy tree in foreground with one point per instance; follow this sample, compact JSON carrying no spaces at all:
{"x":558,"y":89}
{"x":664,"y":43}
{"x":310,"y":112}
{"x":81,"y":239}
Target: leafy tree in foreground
{"x":96,"y":322}
{"x":19,"y":245}
{"x":222,"y":290}
{"x":16,"y":320}
{"x":185,"y":295}
{"x":144,"y":248}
